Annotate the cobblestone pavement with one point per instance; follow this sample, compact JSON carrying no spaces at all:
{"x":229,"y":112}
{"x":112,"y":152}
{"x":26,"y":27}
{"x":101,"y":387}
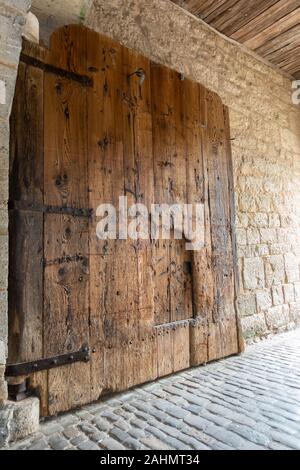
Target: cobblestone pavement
{"x":246,"y":402}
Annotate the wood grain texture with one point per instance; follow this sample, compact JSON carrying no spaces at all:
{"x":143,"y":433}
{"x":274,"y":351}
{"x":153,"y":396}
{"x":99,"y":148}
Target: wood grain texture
{"x":265,"y":26}
{"x":147,"y":308}
{"x":66,"y":275}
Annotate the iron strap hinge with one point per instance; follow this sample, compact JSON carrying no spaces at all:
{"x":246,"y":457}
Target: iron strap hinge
{"x":62,"y":210}
{"x":84,"y":80}
{"x":27,"y":368}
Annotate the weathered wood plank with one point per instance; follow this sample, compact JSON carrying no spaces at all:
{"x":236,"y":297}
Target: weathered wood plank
{"x":25,"y":287}
{"x":27,"y":142}
{"x":66,"y":277}
{"x":108,"y":282}
{"x":25,"y":291}
{"x":270,"y":16}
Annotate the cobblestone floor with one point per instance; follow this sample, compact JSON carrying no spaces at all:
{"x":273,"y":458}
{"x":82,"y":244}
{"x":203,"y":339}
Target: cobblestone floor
{"x":246,"y":402}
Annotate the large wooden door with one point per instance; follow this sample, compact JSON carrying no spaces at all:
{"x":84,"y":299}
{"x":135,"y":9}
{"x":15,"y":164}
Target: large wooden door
{"x":93,"y":121}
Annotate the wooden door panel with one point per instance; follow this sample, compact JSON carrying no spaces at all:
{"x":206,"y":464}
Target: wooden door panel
{"x":66,"y":244}
{"x":26,"y":286}
{"x":26,"y":182}
{"x":223,"y":315}
{"x":26,"y":227}
{"x":65,"y":143}
{"x":104,"y":122}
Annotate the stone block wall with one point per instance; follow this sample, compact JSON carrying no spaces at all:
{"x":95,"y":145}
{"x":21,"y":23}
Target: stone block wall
{"x":265,"y":128}
{"x":12,"y":20}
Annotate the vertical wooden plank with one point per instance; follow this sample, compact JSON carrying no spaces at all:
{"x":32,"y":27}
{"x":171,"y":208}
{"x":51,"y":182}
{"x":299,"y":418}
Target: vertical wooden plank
{"x":132,"y":99}
{"x":25,"y":291}
{"x":181,"y":296}
{"x":165,"y":364}
{"x":108,"y":286}
{"x":26,"y":143}
{"x":65,"y":143}
{"x":66,"y":287}
{"x":197,"y":181}
{"x":139,"y":189}
{"x":181,"y":347}
{"x":223,"y":328}
{"x":25,"y":287}
{"x":232,"y":205}
{"x":173,"y":266}
{"x":26,"y":228}
{"x":180,"y":258}
{"x":161,"y":280}
{"x":68,"y":49}
{"x":66,"y":284}
{"x":164,"y":148}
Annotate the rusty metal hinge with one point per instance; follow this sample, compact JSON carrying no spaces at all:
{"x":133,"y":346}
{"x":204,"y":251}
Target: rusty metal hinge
{"x":84,"y":80}
{"x":63,"y":210}
{"x":27,"y":368}
{"x":140,"y":73}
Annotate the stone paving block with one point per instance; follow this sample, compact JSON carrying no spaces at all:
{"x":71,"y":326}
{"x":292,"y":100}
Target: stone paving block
{"x":138,"y":423}
{"x":52,"y":428}
{"x":119,"y":435}
{"x":58,"y":442}
{"x":290,"y":441}
{"x":137,"y":433}
{"x":67,"y":420}
{"x":227,"y":437}
{"x":122,"y":424}
{"x":197,"y":422}
{"x":101,"y":424}
{"x":250,"y":434}
{"x":192,"y":443}
{"x":98,"y":437}
{"x":88,"y":445}
{"x":87,"y":428}
{"x":110,"y":416}
{"x":221,"y":446}
{"x":278,"y":446}
{"x":84,"y":415}
{"x":170,"y":409}
{"x":112,"y":444}
{"x":155,"y":444}
{"x":133,"y":444}
{"x":75,"y":441}
{"x":71,"y":432}
{"x":168,"y":440}
{"x":39,"y":445}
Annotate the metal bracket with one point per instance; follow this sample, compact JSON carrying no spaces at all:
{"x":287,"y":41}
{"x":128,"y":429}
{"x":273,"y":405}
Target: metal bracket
{"x":141,"y":74}
{"x":27,"y":368}
{"x":73,"y":211}
{"x":18,"y":392}
{"x":84,"y":80}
